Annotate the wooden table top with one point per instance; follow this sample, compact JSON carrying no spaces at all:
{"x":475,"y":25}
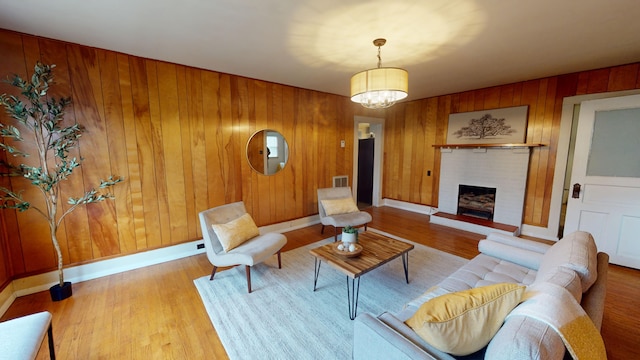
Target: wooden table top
{"x":377,"y":250}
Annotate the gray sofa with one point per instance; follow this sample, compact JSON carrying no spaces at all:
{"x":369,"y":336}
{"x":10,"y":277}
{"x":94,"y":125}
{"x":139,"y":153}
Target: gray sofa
{"x":573,"y":263}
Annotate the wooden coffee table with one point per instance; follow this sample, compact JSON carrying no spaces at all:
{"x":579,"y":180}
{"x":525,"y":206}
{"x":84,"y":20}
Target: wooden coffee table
{"x":377,"y":250}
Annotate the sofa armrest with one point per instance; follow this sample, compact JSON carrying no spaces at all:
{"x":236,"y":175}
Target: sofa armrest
{"x":593,"y":299}
{"x":517,"y":255}
{"x":373,"y":339}
{"x":521,"y":243}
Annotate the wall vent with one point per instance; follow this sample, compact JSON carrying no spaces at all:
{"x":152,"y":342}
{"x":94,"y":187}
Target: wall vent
{"x":341,"y":181}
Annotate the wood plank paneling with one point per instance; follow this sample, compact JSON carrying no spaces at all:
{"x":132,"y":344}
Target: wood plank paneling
{"x":178,"y":136}
{"x":144,"y":157}
{"x":159,"y":166}
{"x":89,"y":108}
{"x":118,"y":157}
{"x":133,"y":196}
{"x":173,"y":177}
{"x":187,"y":155}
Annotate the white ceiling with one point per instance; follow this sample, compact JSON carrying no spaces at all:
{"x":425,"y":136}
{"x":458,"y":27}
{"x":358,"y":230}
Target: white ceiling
{"x":446,"y":45}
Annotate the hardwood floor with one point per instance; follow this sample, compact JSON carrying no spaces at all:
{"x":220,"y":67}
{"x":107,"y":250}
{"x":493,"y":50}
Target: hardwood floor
{"x":156,"y":312}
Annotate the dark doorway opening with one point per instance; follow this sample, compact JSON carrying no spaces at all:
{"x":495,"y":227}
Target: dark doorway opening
{"x":365,"y":171}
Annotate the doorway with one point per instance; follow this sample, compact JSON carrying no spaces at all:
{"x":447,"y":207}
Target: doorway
{"x":365,"y":171}
{"x":371,"y":178}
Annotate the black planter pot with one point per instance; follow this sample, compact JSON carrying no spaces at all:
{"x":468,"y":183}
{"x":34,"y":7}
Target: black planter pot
{"x":60,"y":292}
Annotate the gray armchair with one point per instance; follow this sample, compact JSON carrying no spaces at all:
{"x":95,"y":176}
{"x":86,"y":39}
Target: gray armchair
{"x":249,"y":253}
{"x":355,"y":218}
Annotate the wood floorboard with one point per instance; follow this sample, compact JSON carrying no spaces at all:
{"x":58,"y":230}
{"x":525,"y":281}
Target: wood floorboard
{"x":156,"y":312}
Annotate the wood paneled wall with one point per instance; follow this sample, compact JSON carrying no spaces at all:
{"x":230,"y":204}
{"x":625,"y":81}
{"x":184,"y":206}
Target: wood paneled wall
{"x":177,"y":135}
{"x":413,"y":127}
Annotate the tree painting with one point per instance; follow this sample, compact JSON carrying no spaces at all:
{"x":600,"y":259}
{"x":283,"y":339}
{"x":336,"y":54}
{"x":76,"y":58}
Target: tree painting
{"x":486,"y":126}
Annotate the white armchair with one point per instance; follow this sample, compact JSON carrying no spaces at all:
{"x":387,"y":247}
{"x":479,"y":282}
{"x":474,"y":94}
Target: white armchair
{"x":248,"y":253}
{"x":351,"y":215}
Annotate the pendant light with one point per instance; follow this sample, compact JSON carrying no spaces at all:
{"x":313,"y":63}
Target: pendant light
{"x":380,"y":87}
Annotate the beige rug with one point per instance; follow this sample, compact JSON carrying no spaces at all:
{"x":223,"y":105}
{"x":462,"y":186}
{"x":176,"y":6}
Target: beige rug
{"x":283,"y":318}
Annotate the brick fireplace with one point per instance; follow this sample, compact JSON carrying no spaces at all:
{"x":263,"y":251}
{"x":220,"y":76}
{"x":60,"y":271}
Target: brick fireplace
{"x":501,"y":170}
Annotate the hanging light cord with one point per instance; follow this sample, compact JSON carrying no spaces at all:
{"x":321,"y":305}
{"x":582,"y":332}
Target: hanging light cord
{"x":379,"y":58}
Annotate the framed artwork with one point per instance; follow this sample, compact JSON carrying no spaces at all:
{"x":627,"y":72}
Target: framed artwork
{"x":496,"y":126}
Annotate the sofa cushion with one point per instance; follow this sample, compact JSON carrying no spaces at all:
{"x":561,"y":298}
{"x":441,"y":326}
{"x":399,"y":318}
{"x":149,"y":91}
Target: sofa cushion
{"x":576,"y":251}
{"x":486,"y":270}
{"x":236,"y":232}
{"x":464,"y":322}
{"x":522,"y":337}
{"x":339,"y":206}
{"x":565,"y":277}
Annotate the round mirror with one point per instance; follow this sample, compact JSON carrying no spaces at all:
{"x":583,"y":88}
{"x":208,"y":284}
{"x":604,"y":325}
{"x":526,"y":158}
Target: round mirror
{"x":267,"y":151}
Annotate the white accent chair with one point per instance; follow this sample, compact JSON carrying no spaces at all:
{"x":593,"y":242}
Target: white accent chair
{"x":249,"y":253}
{"x":354,"y":219}
{"x":22,"y":337}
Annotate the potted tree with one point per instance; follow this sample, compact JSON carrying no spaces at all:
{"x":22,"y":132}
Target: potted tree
{"x":41,"y":119}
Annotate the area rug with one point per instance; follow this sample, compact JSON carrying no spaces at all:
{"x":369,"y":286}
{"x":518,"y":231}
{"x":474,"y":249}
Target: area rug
{"x":283,"y":318}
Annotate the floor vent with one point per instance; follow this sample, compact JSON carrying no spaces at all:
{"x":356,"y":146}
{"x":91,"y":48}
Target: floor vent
{"x":341,"y":181}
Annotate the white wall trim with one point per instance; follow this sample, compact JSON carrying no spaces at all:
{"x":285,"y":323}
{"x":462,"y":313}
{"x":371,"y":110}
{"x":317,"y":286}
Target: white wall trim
{"x":540,"y":232}
{"x":463,"y":225}
{"x":417,"y":208}
{"x":7,"y":296}
{"x":80,"y":273}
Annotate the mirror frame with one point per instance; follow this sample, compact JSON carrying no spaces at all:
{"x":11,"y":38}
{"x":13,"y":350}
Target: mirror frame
{"x":256,"y":157}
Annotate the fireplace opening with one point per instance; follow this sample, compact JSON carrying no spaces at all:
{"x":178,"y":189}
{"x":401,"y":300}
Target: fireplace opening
{"x":476,"y":201}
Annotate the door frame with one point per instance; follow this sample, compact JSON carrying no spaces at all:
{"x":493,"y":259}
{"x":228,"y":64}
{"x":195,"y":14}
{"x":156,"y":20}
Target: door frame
{"x":377,"y":128}
{"x":551,"y":231}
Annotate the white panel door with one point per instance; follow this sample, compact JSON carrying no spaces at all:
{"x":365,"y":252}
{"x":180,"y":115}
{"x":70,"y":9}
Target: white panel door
{"x":604,"y":198}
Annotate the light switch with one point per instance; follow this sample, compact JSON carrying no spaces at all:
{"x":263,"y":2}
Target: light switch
{"x":342,"y":143}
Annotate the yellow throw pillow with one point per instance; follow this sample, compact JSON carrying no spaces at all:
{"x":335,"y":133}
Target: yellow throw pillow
{"x":339,"y":206}
{"x":236,"y":232}
{"x":464,"y":322}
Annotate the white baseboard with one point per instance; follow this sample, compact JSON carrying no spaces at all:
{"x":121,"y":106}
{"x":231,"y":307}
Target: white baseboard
{"x":539,"y":232}
{"x":291,"y":224}
{"x":80,"y":273}
{"x":76,"y":274}
{"x":7,"y":296}
{"x":462,"y":225}
{"x":417,"y":208}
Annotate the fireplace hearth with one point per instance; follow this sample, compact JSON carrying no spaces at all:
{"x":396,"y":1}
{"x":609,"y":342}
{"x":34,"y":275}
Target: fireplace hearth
{"x":476,"y":201}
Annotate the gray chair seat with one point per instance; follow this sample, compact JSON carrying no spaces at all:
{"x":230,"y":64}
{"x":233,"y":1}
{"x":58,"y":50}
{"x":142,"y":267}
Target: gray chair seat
{"x":353,"y":219}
